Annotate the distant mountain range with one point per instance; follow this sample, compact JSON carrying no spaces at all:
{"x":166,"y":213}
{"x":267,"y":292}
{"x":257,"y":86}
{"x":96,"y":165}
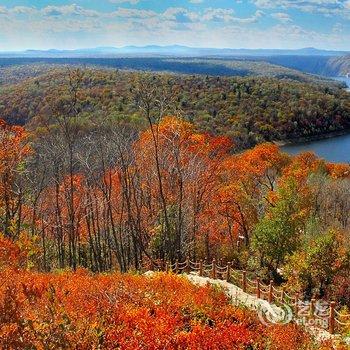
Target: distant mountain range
{"x":162,"y":58}
{"x":173,"y":50}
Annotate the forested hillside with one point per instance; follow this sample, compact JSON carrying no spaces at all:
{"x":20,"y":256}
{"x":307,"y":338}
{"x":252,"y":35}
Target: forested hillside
{"x":340,"y":65}
{"x":106,"y":196}
{"x":161,"y":197}
{"x":247,"y":66}
{"x":249,"y":110}
{"x":18,"y":73}
{"x":122,"y":171}
{"x":327,"y":66}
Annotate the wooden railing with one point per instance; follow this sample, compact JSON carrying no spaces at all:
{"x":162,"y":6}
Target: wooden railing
{"x":251,"y":284}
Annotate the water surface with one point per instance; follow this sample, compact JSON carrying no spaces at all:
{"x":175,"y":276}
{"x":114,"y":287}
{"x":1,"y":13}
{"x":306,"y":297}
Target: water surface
{"x":345,"y":80}
{"x":335,"y":149}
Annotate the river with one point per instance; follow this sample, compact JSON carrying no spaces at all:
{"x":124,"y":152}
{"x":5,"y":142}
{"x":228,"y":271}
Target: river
{"x":345,"y":80}
{"x":334,"y":149}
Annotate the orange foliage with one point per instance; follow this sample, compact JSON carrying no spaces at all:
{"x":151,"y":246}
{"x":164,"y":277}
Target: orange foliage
{"x":70,"y":197}
{"x":83,"y":311}
{"x":338,"y":171}
{"x":9,"y":252}
{"x":302,"y":166}
{"x":17,"y":254}
{"x":247,"y":179}
{"x":13,"y":151}
{"x":189,"y":165}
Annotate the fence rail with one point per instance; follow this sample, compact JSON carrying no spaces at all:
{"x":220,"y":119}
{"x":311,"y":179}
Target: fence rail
{"x":254,"y":286}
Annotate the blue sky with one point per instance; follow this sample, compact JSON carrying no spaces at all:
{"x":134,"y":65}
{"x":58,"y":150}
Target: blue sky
{"x":63,"y":24}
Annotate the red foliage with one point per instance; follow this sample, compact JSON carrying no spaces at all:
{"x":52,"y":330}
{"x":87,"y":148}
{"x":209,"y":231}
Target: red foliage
{"x":83,"y":311}
{"x":9,"y":252}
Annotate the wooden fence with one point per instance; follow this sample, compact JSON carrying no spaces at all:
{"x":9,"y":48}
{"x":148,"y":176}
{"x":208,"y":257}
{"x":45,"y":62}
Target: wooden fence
{"x":248,"y":281}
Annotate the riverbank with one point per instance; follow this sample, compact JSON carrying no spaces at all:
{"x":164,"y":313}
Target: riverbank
{"x":333,"y":147}
{"x":343,"y":79}
{"x":301,"y":140}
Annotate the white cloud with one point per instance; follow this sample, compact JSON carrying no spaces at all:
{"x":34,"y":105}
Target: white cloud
{"x":338,"y":28}
{"x":227,"y":15}
{"x":218,"y":15}
{"x":69,"y":10}
{"x":23,"y":10}
{"x":75,"y":26}
{"x":131,"y":13}
{"x":3,"y":10}
{"x":180,"y":15}
{"x":299,"y":3}
{"x":326,"y":7}
{"x":132,"y":2}
{"x":282,"y":17}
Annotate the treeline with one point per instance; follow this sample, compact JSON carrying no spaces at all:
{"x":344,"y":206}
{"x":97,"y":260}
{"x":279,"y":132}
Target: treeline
{"x":18,"y":73}
{"x":327,"y":66}
{"x":340,"y":65}
{"x":248,"y":66}
{"x":248,"y":110}
{"x":104,"y":196}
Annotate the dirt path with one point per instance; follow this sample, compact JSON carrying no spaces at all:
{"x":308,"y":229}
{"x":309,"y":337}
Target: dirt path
{"x":268,"y":313}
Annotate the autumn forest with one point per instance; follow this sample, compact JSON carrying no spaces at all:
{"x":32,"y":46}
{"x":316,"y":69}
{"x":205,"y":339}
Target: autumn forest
{"x":107,"y":174}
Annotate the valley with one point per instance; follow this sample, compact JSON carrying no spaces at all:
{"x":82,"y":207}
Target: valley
{"x":249,"y":110}
{"x":174,"y":175}
{"x":112,"y":167}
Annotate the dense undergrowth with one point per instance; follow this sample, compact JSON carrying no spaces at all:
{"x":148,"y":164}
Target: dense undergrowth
{"x":80,"y":310}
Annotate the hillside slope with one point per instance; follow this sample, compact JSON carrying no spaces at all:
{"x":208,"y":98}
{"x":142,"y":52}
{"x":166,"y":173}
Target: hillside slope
{"x":207,"y":66}
{"x":340,"y":65}
{"x":249,"y":110}
{"x":327,"y":66}
{"x":80,"y":311}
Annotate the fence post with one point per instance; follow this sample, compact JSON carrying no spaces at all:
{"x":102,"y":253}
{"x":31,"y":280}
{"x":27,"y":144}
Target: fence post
{"x":177,"y":266}
{"x":312,"y":308}
{"x":201,"y":268}
{"x":258,"y":287}
{"x":332,"y":318}
{"x":167,"y":267}
{"x":188,"y":265}
{"x":140,"y":267}
{"x":296,"y":305}
{"x":244,"y":281}
{"x":270,"y":298}
{"x":228,"y":274}
{"x":282,"y":295}
{"x":214,"y":269}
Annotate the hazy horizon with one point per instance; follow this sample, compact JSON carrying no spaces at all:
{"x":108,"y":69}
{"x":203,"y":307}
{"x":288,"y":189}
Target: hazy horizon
{"x":169,"y":45}
{"x":249,"y":24}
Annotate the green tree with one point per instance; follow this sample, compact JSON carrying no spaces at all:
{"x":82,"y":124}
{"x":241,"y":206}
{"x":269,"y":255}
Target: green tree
{"x":313,"y":267}
{"x":277,"y":235}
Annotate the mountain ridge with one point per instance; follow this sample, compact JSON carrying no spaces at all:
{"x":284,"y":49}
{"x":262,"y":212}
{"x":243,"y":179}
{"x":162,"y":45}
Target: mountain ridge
{"x":173,"y":50}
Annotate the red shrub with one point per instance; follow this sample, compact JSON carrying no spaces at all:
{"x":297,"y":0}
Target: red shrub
{"x":84,"y":311}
